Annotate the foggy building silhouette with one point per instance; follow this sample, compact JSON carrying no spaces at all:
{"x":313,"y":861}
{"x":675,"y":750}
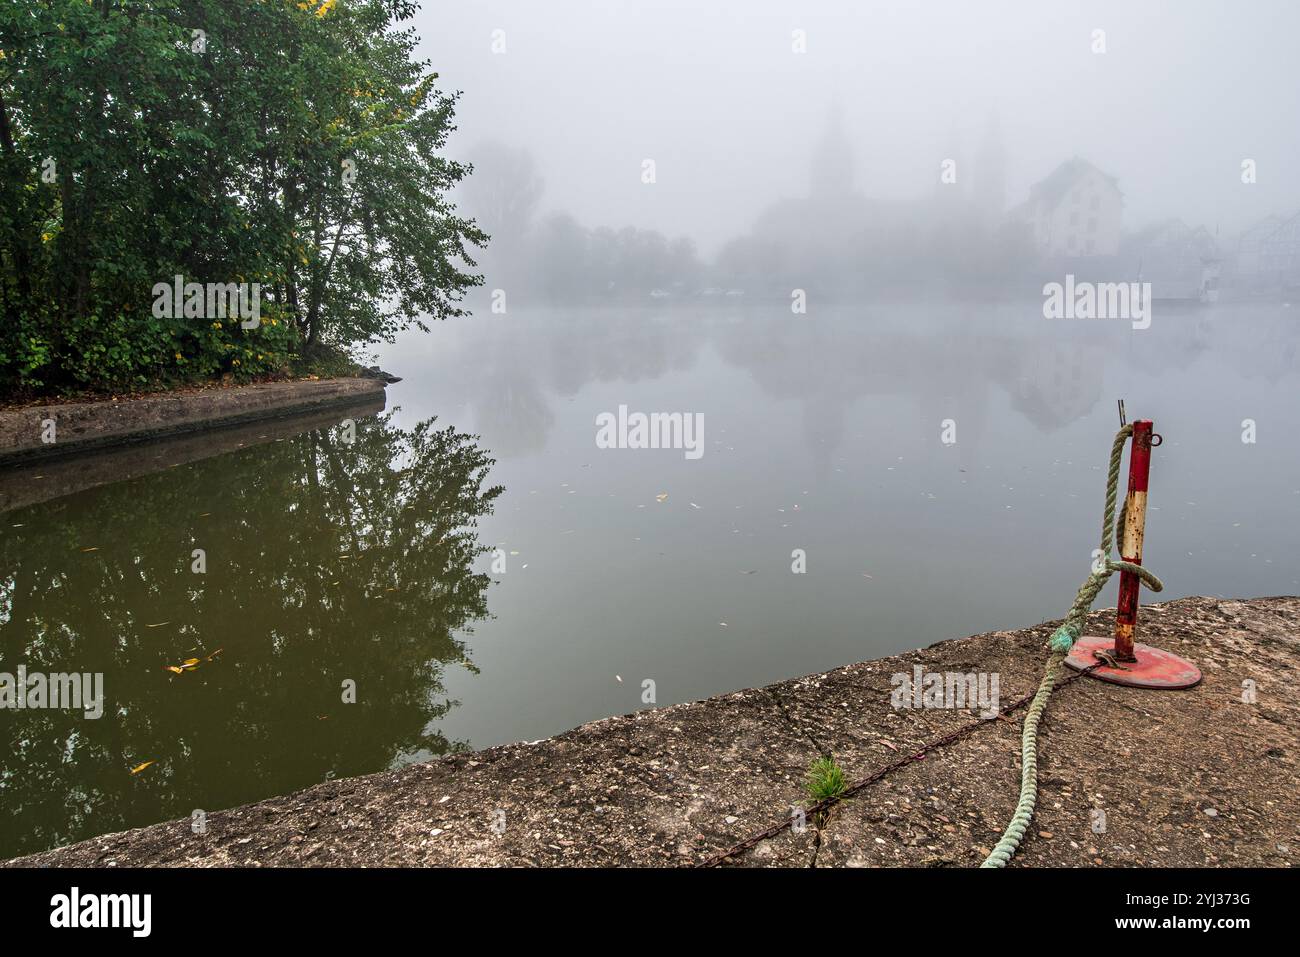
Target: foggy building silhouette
{"x":1074,"y":211}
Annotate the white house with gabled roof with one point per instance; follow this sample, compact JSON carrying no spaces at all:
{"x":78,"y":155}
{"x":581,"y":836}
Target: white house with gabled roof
{"x":1074,"y":211}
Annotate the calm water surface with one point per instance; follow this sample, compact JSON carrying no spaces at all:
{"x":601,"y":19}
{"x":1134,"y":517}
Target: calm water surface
{"x":372,"y":562}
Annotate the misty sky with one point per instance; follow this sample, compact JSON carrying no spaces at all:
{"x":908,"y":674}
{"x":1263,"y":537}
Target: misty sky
{"x":712,"y":92}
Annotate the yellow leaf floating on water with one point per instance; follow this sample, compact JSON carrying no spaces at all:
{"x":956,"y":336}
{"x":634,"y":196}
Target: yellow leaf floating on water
{"x":189,"y":663}
{"x":174,"y":669}
{"x":94,"y":548}
{"x":140,"y":767}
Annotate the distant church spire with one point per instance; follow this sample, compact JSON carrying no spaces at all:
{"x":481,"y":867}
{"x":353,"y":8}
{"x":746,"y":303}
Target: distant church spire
{"x":990,"y":192}
{"x":832,"y":163}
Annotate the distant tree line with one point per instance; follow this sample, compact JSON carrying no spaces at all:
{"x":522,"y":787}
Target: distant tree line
{"x":836,"y":246}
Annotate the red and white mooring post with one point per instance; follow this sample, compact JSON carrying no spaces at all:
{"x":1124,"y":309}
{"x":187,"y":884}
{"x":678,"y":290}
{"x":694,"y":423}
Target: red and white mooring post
{"x":1130,"y":546}
{"x":1135,"y":665}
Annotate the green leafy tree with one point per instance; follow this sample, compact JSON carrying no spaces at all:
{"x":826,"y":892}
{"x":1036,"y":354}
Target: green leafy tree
{"x":297,"y":145}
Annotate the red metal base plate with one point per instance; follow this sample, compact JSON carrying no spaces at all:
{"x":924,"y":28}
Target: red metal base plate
{"x":1153,"y":669}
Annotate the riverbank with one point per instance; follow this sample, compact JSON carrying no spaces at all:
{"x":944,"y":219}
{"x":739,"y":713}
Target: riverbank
{"x":1186,"y":778}
{"x":44,"y":479}
{"x":41,"y":431}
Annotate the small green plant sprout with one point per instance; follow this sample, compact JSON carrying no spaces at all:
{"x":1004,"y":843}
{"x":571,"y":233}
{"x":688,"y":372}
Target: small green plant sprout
{"x":825,"y":779}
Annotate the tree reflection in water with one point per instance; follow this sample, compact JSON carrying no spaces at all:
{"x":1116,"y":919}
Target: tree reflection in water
{"x":326,"y":561}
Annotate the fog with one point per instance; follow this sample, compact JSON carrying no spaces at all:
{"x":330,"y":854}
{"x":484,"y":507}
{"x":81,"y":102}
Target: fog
{"x":733,"y":118}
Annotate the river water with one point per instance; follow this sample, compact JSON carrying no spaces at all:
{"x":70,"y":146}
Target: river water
{"x":469,"y":592}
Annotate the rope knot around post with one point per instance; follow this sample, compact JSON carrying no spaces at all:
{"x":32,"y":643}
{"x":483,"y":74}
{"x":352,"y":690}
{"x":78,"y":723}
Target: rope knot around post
{"x":1068,"y":633}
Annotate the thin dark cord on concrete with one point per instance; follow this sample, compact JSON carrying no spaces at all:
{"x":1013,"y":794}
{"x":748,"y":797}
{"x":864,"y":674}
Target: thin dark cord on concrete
{"x":876,"y":775}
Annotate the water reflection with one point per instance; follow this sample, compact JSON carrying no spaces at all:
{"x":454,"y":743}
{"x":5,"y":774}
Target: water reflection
{"x":326,"y":561}
{"x":512,"y":372}
{"x":822,"y":433}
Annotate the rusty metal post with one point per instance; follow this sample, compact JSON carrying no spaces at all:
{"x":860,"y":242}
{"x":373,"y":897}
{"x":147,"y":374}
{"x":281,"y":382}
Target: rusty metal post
{"x":1130,"y":549}
{"x":1130,"y":663}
